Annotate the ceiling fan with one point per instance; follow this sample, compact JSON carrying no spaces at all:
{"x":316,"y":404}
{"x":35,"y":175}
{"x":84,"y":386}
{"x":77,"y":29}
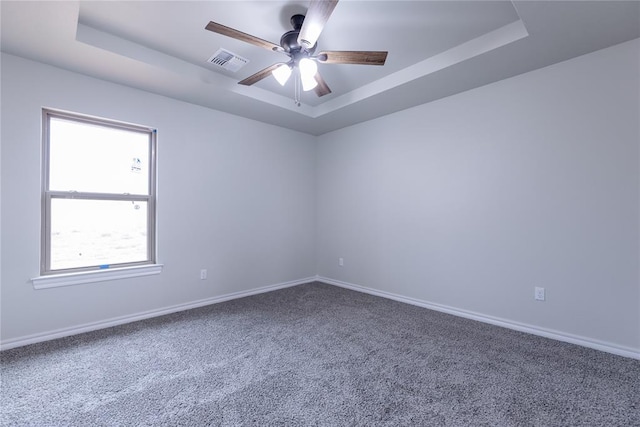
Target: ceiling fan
{"x":300,"y":45}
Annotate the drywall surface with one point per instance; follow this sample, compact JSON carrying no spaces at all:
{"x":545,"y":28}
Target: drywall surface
{"x":472,"y":201}
{"x":235,"y":197}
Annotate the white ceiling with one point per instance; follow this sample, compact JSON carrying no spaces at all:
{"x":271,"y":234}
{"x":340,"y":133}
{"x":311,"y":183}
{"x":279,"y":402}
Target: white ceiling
{"x":436,"y":48}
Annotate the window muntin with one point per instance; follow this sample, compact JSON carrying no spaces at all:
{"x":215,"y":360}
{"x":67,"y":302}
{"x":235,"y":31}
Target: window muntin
{"x":98,"y":193}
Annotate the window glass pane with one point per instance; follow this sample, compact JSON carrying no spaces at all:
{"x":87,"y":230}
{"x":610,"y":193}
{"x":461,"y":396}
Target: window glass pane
{"x":86,"y":233}
{"x":88,"y":158}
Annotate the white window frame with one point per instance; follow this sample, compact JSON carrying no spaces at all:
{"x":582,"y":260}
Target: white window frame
{"x":71,"y":276}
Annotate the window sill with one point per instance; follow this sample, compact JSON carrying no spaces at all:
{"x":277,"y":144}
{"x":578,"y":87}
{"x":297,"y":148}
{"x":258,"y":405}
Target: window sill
{"x":69,"y":279}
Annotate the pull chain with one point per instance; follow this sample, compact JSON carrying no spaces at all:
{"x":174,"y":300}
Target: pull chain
{"x":296,"y":88}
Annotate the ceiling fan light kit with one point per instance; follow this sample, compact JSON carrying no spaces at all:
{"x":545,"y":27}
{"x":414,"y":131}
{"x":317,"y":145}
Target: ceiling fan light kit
{"x":300,"y":44}
{"x":282,"y":73}
{"x":308,"y":70}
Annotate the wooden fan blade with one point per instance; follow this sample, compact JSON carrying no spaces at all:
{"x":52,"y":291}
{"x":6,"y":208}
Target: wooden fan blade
{"x":259,"y":75}
{"x":322,"y":89}
{"x":317,"y":16}
{"x":239,"y":35}
{"x":353,"y":57}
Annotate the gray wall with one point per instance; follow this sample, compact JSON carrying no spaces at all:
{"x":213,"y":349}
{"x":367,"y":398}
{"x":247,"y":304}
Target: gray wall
{"x":235,"y":196}
{"x":471,"y":201}
{"x":468,"y":202}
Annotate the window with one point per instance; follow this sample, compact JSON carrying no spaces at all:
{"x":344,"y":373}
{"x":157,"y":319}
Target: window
{"x":98,"y":194}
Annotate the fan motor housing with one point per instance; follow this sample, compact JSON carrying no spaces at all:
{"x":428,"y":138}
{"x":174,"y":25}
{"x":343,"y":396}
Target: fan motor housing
{"x":289,"y":40}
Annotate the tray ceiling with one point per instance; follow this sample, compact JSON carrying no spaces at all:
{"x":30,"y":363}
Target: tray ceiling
{"x":436,"y":49}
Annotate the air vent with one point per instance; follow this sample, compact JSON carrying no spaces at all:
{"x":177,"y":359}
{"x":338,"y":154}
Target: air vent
{"x":227,"y":60}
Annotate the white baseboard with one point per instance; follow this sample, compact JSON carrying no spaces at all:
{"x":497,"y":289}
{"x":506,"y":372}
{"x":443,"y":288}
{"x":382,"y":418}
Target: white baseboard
{"x":535,"y":330}
{"x":87,"y":327}
{"x":547,"y":333}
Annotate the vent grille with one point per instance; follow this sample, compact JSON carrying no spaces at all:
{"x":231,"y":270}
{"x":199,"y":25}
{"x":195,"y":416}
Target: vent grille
{"x":227,"y":60}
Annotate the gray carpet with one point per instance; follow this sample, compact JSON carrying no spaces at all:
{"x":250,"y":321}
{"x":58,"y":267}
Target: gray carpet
{"x":315,"y":355}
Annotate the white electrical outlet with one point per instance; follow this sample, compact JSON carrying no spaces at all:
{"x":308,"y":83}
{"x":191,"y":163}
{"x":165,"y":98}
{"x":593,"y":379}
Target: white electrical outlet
{"x":538,"y":293}
{"x":341,"y":262}
{"x":203,"y":274}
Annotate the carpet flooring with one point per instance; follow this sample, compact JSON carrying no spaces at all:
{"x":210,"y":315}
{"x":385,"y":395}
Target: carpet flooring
{"x":315,"y":355}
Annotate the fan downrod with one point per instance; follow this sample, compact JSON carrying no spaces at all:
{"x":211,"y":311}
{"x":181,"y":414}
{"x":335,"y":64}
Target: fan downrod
{"x":296,"y":21}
